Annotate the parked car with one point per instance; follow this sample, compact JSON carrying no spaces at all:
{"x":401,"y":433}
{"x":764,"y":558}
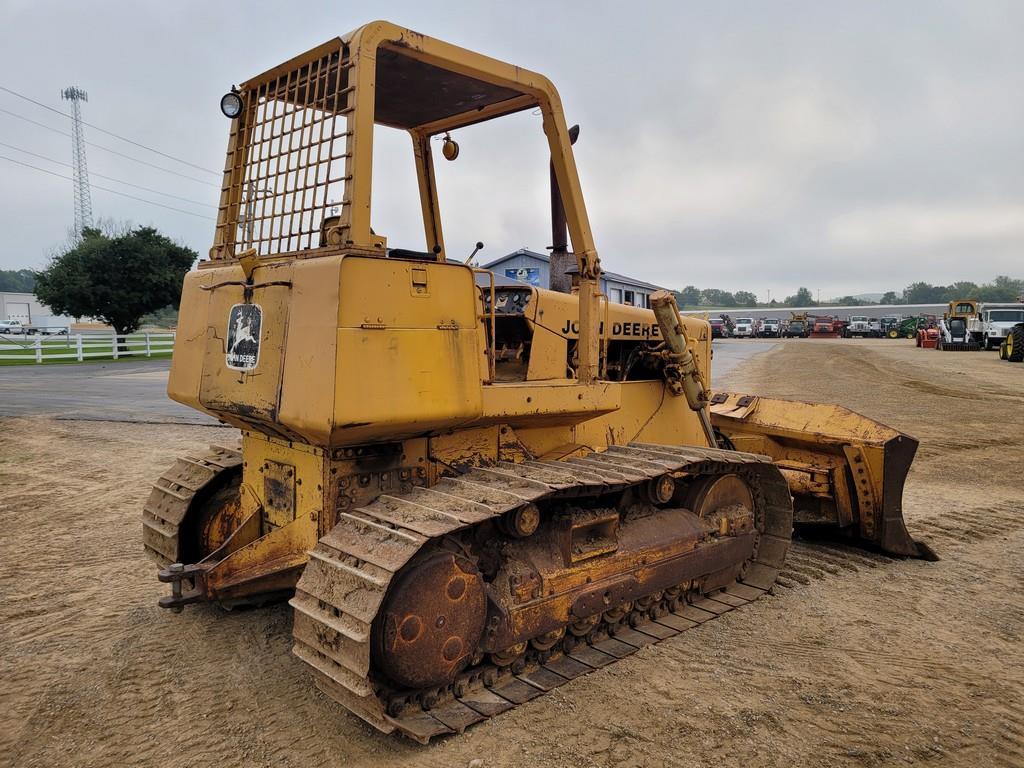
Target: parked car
{"x":13,"y":327}
{"x":718,"y":328}
{"x":744,"y":328}
{"x":771,"y":328}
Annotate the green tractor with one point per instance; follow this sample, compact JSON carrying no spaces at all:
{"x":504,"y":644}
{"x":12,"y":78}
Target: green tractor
{"x":906,"y":328}
{"x":1013,"y":348}
{"x":890,"y":326}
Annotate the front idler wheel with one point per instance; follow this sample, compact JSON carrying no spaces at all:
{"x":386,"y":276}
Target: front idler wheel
{"x":724,"y":502}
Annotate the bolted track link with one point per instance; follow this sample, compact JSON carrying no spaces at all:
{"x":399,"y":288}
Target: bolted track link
{"x":172,"y":495}
{"x":346,"y":580}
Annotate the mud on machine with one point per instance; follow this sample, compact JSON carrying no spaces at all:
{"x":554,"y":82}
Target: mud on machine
{"x":470,"y":494}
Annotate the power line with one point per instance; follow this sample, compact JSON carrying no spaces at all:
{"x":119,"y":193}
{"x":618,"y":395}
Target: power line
{"x":108,"y":149}
{"x":110,"y":133}
{"x":107,"y":189}
{"x":108,"y":178}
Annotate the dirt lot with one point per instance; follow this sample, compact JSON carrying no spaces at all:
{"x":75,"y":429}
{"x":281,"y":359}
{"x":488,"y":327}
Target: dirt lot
{"x":860,"y":661}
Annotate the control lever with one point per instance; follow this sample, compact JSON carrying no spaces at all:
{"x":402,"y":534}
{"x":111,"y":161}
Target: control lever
{"x":479,"y":247}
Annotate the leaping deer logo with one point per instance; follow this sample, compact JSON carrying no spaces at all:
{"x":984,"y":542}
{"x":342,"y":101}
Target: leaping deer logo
{"x":243,"y":332}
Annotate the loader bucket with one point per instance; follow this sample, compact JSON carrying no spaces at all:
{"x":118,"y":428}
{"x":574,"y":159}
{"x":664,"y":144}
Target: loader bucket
{"x":845,"y":471}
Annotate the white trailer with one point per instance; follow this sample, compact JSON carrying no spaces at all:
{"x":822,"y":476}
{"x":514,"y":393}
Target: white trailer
{"x":50,"y":325}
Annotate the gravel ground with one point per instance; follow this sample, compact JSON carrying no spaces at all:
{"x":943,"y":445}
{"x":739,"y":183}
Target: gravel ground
{"x":861,"y":661}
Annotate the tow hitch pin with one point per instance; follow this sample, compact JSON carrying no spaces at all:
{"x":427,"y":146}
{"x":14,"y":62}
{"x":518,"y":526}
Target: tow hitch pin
{"x":176,"y":587}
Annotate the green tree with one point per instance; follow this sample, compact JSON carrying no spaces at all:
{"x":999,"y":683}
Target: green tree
{"x":962,"y":289}
{"x":924,"y":293}
{"x":850,"y":301}
{"x":802,"y":298}
{"x":167,"y":317}
{"x":18,"y":280}
{"x":689,"y":296}
{"x":115,"y":278}
{"x":745,"y":299}
{"x":715,"y":297}
{"x":1003,"y":288}
{"x":889,"y":297}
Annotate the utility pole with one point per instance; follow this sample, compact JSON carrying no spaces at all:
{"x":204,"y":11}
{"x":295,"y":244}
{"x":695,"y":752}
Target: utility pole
{"x":83,"y":199}
{"x":251,"y":196}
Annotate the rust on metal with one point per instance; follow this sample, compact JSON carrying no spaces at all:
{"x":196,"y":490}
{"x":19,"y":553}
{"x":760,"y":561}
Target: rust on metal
{"x":398,"y":609}
{"x":433,"y":621}
{"x":472,"y":492}
{"x":279,"y":492}
{"x":177,"y":494}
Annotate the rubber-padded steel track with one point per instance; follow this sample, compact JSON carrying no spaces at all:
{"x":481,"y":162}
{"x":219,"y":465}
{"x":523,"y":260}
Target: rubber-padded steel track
{"x":351,"y":568}
{"x":172,"y":495}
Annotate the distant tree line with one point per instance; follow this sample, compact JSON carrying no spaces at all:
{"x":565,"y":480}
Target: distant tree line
{"x":1003,"y":288}
{"x":17,"y":280}
{"x":692,"y":296}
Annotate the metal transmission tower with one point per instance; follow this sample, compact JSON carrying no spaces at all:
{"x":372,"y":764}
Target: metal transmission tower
{"x":83,"y":201}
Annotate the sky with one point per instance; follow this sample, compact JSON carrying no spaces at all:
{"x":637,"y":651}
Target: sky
{"x":848,"y":147}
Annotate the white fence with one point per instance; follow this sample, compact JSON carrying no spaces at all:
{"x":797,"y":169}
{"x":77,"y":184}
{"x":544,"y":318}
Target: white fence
{"x":79,"y":347}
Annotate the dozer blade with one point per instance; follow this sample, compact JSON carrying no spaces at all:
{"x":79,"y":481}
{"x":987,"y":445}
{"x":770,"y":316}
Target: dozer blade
{"x":846,"y":472}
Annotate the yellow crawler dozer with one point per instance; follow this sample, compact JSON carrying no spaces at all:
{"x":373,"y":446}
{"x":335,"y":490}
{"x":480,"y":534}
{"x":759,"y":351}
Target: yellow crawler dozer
{"x":470,"y":493}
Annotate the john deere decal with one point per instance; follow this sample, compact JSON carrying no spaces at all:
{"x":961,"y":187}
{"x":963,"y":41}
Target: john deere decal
{"x":244,"y":323}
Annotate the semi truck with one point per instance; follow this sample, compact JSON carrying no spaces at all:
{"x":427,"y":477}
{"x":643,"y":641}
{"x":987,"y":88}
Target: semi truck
{"x":994,"y":322}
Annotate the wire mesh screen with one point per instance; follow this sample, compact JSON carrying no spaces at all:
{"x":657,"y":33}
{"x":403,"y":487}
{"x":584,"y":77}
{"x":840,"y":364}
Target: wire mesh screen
{"x":289,"y":166}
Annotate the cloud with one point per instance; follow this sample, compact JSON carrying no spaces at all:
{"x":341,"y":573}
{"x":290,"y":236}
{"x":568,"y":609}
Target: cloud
{"x":748,"y":160}
{"x":847,"y":146}
{"x":915,"y":227}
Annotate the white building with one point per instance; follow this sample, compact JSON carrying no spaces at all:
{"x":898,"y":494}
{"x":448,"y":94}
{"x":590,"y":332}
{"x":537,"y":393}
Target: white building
{"x":28,"y":310}
{"x":527,"y":266}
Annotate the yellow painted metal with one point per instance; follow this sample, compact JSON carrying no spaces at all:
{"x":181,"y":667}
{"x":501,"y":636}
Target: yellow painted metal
{"x":378,"y":375}
{"x":683,"y":372}
{"x":553,"y":320}
{"x":411,"y":357}
{"x":845,"y":471}
{"x":552,"y":403}
{"x":311,"y":354}
{"x":965,"y":308}
{"x":223,"y":389}
{"x":647,"y":414}
{"x":268,"y":551}
{"x":360,"y":52}
{"x":428,"y":191}
{"x":262,"y":453}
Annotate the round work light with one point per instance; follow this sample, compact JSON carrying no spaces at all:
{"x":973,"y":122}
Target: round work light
{"x":231,"y":104}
